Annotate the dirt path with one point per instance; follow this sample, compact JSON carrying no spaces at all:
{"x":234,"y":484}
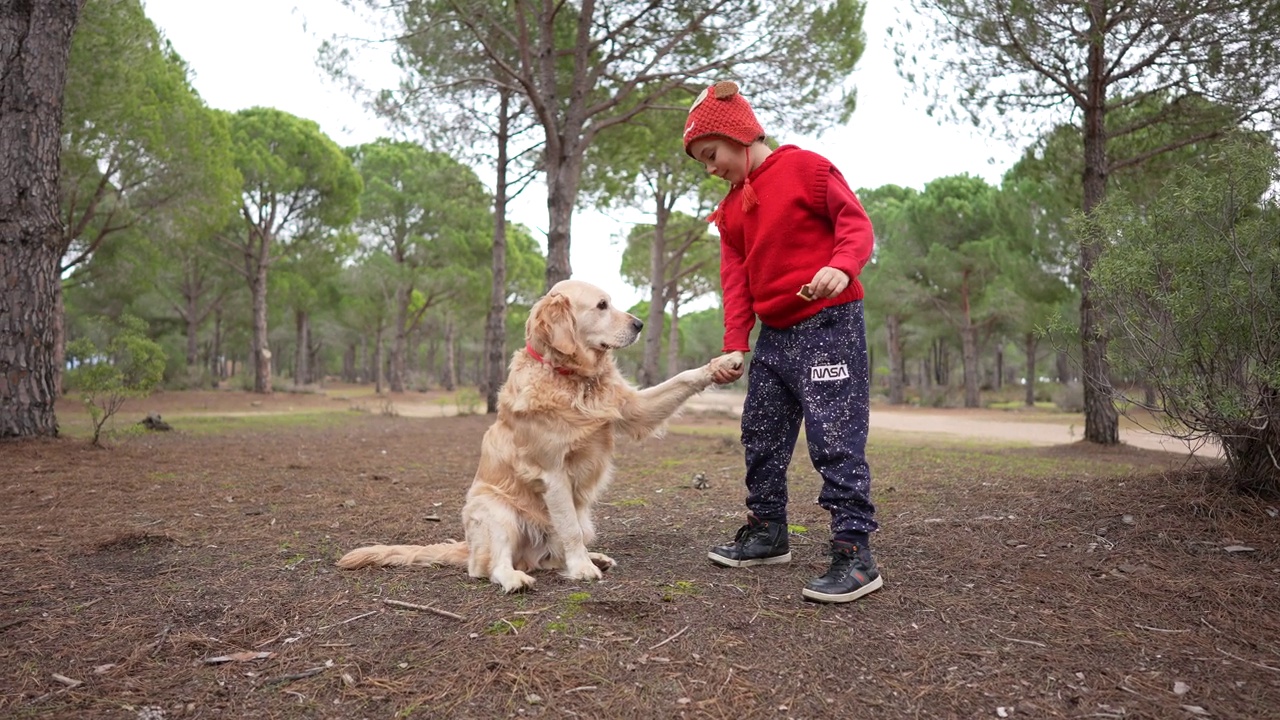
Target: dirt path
{"x":1037,"y":429}
{"x":1033,"y":428}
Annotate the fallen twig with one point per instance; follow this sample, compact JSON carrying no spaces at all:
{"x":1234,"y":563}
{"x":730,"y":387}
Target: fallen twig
{"x":238,"y":657}
{"x":155,"y":646}
{"x":6,"y":625}
{"x":1255,"y":664}
{"x":69,"y":682}
{"x":1024,"y":642}
{"x":582,"y":688}
{"x":351,"y":619}
{"x":427,"y":608}
{"x":673,"y":637}
{"x":1156,"y":629}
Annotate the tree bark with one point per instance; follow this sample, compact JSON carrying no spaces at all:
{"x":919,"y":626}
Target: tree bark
{"x":649,"y":373}
{"x":395,"y":378}
{"x":375,"y":363}
{"x":191,"y":316}
{"x":673,"y":337}
{"x":302,"y":353}
{"x":35,"y":42}
{"x":560,"y":201}
{"x":450,"y":379}
{"x":969,"y":344}
{"x":349,"y":363}
{"x":495,"y":321}
{"x":261,"y":353}
{"x":1101,"y":421}
{"x":897,"y":364}
{"x":1030,"y":345}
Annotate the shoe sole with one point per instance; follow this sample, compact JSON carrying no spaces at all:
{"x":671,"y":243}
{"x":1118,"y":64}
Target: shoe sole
{"x":729,"y":562}
{"x":844,"y":597}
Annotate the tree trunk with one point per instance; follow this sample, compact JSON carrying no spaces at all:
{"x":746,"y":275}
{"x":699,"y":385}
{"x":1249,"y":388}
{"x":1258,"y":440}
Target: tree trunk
{"x":897,"y":366}
{"x":495,"y":321}
{"x":302,"y":353}
{"x":564,"y":172}
{"x":1031,"y":369}
{"x":59,"y":337}
{"x":673,"y":337}
{"x":375,"y":364}
{"x":1101,"y":421}
{"x":450,"y":379}
{"x":999,"y":384}
{"x":649,"y":373}
{"x":969,"y":344}
{"x":395,"y":379}
{"x":349,"y":363}
{"x":261,"y":353}
{"x":192,"y":318}
{"x":941,"y":364}
{"x":216,"y":367}
{"x":35,"y":41}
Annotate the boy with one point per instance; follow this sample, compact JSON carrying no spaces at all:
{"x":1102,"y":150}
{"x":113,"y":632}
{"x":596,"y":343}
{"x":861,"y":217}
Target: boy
{"x":793,"y":240}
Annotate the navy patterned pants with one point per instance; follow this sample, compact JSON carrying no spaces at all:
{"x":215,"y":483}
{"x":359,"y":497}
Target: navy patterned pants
{"x":816,"y":372}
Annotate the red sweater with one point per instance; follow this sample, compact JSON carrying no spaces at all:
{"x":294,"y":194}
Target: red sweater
{"x":806,"y":218}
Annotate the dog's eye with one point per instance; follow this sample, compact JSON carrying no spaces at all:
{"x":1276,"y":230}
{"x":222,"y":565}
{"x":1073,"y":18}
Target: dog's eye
{"x":602,"y":305}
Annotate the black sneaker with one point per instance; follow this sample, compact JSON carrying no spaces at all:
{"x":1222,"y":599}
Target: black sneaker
{"x":853,"y":574}
{"x":759,"y":542}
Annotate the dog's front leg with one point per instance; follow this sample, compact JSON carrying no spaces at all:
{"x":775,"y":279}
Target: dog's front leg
{"x":568,"y":532}
{"x":650,"y":407}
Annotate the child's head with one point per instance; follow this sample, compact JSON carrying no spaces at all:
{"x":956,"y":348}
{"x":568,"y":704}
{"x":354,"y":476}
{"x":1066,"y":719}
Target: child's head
{"x":720,"y":111}
{"x":719,"y":133}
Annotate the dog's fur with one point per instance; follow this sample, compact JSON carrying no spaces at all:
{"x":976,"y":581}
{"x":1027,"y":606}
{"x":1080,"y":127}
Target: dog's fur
{"x":548,"y":456}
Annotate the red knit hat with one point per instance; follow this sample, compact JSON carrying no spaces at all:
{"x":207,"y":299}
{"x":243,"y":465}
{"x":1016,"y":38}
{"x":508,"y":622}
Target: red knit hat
{"x":721,"y":111}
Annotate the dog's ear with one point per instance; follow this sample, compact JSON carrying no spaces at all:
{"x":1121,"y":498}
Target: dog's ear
{"x":552,"y":323}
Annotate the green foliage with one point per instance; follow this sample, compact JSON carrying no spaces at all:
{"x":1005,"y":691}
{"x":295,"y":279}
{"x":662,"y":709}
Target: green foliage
{"x":1192,"y":286}
{"x":139,"y":148}
{"x":294,"y":176}
{"x":128,"y":365}
{"x":431,"y":216}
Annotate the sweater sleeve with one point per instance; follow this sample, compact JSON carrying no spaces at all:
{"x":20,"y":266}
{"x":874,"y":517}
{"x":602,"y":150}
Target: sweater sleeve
{"x":739,"y":316}
{"x":855,"y":238}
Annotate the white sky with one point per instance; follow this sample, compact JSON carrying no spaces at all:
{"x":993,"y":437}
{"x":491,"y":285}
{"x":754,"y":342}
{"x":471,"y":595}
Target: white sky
{"x":245,"y":53}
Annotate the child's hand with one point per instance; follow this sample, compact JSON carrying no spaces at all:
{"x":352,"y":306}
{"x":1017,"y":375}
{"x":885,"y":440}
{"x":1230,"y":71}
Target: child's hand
{"x":727,"y":368}
{"x":828,"y":282}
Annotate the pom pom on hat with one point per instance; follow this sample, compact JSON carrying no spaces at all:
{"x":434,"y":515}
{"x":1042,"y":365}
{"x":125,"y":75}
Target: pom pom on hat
{"x":721,"y":110}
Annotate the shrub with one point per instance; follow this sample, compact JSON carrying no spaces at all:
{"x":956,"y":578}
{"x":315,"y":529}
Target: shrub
{"x":1191,"y":289}
{"x":129,"y":365}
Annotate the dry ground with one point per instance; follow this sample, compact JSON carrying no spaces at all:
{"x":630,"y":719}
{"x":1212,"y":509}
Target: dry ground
{"x":1026,"y":582}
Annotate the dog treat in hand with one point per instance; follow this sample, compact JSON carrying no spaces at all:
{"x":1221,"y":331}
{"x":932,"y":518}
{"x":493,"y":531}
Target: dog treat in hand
{"x":806,"y":292}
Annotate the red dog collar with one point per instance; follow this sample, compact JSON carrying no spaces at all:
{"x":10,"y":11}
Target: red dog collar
{"x":534,"y":354}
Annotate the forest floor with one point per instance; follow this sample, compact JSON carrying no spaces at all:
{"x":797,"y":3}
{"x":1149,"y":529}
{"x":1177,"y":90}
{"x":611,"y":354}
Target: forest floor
{"x":189,"y":574}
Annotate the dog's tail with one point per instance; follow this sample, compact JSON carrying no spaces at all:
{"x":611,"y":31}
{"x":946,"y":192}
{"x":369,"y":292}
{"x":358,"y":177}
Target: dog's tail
{"x":446,"y":553}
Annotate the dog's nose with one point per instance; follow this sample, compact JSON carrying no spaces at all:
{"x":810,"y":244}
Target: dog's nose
{"x":637,"y":323}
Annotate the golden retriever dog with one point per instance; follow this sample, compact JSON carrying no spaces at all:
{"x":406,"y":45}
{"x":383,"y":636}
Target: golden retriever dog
{"x":548,"y":456}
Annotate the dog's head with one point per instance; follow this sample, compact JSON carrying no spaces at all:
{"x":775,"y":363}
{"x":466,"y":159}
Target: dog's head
{"x":575,"y":325}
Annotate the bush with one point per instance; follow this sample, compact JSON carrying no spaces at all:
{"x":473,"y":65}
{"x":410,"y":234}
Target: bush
{"x":1191,"y":289}
{"x":129,"y":365}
